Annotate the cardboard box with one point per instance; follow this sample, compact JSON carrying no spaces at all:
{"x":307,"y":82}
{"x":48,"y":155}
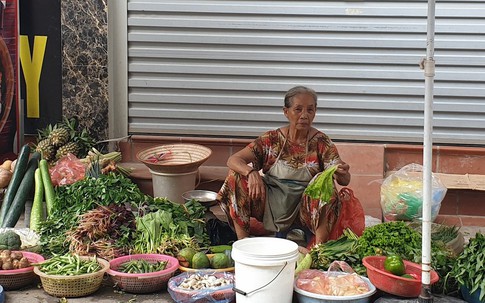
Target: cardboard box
{"x":457,"y":181}
{"x":467,"y":181}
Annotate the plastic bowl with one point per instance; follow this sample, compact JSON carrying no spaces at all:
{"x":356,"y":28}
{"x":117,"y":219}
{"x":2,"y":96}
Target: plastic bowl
{"x":470,"y":297}
{"x":143,"y":283}
{"x":309,"y":297}
{"x":393,"y":284}
{"x":17,"y":278}
{"x":204,"y":197}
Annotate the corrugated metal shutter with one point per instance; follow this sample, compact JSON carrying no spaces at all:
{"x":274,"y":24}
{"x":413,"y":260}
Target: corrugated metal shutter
{"x":221,"y":68}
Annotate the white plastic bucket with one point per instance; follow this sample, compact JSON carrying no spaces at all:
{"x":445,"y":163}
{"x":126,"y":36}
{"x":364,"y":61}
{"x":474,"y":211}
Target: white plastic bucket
{"x":172,"y":186}
{"x":264,"y":269}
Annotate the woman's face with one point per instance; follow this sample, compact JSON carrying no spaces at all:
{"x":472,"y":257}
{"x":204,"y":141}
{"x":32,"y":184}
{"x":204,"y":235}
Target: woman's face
{"x":302,"y":111}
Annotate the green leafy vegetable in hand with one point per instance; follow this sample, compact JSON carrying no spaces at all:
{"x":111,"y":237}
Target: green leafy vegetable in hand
{"x":322,"y":186}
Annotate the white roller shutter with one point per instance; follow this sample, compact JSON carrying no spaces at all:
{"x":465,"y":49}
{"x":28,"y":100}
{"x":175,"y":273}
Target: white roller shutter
{"x":221,"y":68}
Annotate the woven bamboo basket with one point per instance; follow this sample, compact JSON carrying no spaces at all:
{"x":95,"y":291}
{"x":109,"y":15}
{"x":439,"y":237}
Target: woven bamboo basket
{"x":73,"y":286}
{"x":174,"y":158}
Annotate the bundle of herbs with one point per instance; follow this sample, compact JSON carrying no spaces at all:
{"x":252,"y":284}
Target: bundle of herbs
{"x":166,"y":227}
{"x":106,"y":231}
{"x":72,"y":201}
{"x":342,"y":249}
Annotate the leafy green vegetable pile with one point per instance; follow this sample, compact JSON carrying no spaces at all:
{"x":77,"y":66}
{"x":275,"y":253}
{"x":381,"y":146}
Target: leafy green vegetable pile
{"x":74,"y":200}
{"x":162,"y":226}
{"x":168,"y":227}
{"x":469,"y":268}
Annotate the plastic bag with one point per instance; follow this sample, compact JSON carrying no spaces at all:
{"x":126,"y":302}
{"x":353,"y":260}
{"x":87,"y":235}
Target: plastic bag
{"x":402,"y":194}
{"x":220,"y":232}
{"x":220,"y":294}
{"x":68,"y":170}
{"x":339,"y":280}
{"x":351,"y":215}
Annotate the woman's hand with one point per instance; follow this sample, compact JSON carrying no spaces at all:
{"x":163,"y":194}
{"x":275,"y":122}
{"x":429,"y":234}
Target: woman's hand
{"x":342,"y":174}
{"x":256,"y":186}
{"x":239,"y":163}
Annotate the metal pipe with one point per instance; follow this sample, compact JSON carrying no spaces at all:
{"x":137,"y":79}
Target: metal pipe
{"x":429,"y":73}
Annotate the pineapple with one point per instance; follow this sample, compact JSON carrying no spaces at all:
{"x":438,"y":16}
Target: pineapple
{"x":46,"y":149}
{"x":70,"y":147}
{"x":79,"y":136}
{"x":59,"y":136}
{"x":44,"y":133}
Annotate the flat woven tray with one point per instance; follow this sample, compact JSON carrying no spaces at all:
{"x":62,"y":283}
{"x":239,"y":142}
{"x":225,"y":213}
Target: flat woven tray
{"x":174,"y":158}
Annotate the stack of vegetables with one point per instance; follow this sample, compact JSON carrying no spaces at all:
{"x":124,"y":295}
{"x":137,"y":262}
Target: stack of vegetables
{"x":109,"y":216}
{"x":88,"y":206}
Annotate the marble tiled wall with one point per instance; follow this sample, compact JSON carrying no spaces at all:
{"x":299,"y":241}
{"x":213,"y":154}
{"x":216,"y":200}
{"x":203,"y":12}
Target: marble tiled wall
{"x":84,"y":34}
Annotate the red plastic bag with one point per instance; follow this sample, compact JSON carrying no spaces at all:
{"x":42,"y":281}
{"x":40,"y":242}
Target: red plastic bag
{"x":351,"y":215}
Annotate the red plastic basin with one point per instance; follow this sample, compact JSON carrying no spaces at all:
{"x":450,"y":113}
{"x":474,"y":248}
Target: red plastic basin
{"x":393,"y":284}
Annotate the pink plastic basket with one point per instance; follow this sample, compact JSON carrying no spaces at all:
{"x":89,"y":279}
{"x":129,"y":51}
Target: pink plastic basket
{"x":17,"y":278}
{"x":143,"y":283}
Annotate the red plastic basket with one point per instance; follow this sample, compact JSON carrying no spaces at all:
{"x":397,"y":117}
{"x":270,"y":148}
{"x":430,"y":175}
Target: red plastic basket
{"x":143,"y":283}
{"x":17,"y":278}
{"x":393,"y":284}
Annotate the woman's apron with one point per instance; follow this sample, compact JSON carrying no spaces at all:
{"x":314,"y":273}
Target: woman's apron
{"x":284,"y":187}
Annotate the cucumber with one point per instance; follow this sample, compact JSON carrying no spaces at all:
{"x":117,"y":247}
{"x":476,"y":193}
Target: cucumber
{"x":37,"y":212}
{"x":17,"y":176}
{"x":219,"y":248}
{"x":48,"y":187}
{"x":24,"y":192}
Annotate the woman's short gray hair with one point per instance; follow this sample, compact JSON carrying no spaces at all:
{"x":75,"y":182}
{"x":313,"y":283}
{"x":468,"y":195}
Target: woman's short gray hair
{"x":298,"y":90}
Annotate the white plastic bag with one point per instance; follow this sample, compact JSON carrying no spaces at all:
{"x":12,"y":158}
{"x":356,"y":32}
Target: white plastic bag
{"x":402,"y":194}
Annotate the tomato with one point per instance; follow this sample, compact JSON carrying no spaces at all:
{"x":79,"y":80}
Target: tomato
{"x":395,"y":265}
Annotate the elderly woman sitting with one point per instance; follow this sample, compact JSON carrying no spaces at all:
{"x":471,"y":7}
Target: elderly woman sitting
{"x":268,"y":177}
